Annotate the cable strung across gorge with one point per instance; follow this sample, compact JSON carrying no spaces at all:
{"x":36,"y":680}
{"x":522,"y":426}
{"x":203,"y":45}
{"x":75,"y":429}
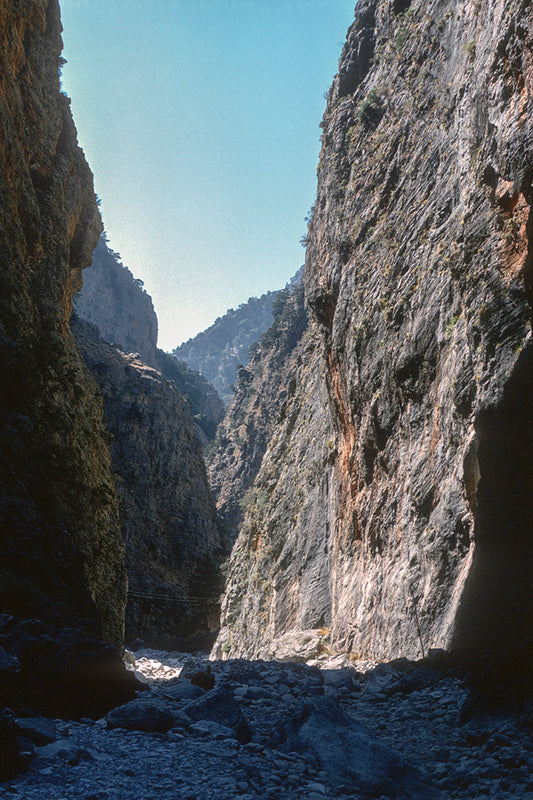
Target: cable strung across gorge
{"x":174,"y":598}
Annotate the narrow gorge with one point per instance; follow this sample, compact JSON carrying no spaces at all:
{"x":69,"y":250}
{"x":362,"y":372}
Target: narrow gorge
{"x":344,"y":544}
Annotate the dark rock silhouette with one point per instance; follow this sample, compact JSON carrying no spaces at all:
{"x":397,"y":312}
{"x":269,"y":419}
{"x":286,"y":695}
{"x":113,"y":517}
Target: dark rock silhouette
{"x":59,"y":519}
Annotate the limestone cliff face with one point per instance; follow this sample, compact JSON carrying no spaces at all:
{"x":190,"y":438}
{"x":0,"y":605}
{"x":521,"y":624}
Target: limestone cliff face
{"x":114,"y":300}
{"x":62,"y":555}
{"x":279,"y":577}
{"x":257,"y":409}
{"x":219,"y":351}
{"x":415,"y":528}
{"x":166,"y":511}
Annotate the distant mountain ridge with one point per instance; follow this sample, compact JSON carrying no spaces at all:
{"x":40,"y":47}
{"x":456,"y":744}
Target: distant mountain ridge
{"x":219,"y":351}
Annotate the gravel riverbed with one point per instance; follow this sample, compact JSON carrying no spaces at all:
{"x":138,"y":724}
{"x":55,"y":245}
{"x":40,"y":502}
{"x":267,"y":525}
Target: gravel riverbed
{"x":237,"y":730}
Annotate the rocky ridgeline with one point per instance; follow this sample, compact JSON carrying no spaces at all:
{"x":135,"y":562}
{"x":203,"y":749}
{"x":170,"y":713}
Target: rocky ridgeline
{"x":394,"y":499}
{"x":320,"y":731}
{"x":221,"y":349}
{"x":167,"y":515}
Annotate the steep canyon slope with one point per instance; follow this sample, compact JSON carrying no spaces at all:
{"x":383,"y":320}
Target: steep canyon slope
{"x":62,"y":554}
{"x":396,"y":495}
{"x":115,"y":301}
{"x":158,"y":412}
{"x":218,"y":351}
{"x":167,"y":514}
{"x":259,"y":403}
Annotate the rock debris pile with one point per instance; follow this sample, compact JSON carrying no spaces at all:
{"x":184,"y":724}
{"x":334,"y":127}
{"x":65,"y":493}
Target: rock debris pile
{"x":270,"y":730}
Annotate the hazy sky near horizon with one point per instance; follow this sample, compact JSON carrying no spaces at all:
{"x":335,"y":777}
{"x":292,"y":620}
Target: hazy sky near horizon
{"x":200,"y":121}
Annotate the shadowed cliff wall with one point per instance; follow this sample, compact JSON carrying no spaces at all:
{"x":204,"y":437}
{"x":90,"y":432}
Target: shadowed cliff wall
{"x":167,"y":514}
{"x":62,"y":555}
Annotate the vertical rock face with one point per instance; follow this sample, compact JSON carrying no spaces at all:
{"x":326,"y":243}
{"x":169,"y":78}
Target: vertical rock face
{"x":417,"y":529}
{"x":167,"y":515}
{"x":114,"y":301}
{"x":262,"y":394}
{"x":280,"y":569}
{"x":166,"y":510}
{"x":62,"y":555}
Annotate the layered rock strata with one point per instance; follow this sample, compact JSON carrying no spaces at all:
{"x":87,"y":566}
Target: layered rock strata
{"x":62,"y":554}
{"x":167,"y":515}
{"x":261,"y":396}
{"x":415,"y":526}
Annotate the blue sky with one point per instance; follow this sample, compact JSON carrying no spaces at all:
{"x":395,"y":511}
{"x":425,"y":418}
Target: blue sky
{"x":200,"y":121}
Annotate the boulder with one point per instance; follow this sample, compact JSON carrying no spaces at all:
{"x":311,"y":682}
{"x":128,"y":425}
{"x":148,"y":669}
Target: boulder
{"x":67,"y":751}
{"x":38,"y":730}
{"x":15,"y":755}
{"x":65,"y":672}
{"x":349,"y":754}
{"x":182,"y":690}
{"x":220,"y":705}
{"x":141,"y":715}
{"x":212,"y":729}
{"x":199,"y":675}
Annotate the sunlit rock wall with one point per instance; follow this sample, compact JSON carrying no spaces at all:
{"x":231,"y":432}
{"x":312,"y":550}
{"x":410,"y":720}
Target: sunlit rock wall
{"x":415,"y":524}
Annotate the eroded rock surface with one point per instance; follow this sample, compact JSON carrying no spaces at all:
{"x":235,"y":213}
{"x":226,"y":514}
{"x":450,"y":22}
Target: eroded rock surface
{"x":167,"y":514}
{"x":62,"y":554}
{"x":397,"y":493}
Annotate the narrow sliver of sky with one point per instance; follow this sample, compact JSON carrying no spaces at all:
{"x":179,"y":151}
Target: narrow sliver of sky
{"x":200,"y":121}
